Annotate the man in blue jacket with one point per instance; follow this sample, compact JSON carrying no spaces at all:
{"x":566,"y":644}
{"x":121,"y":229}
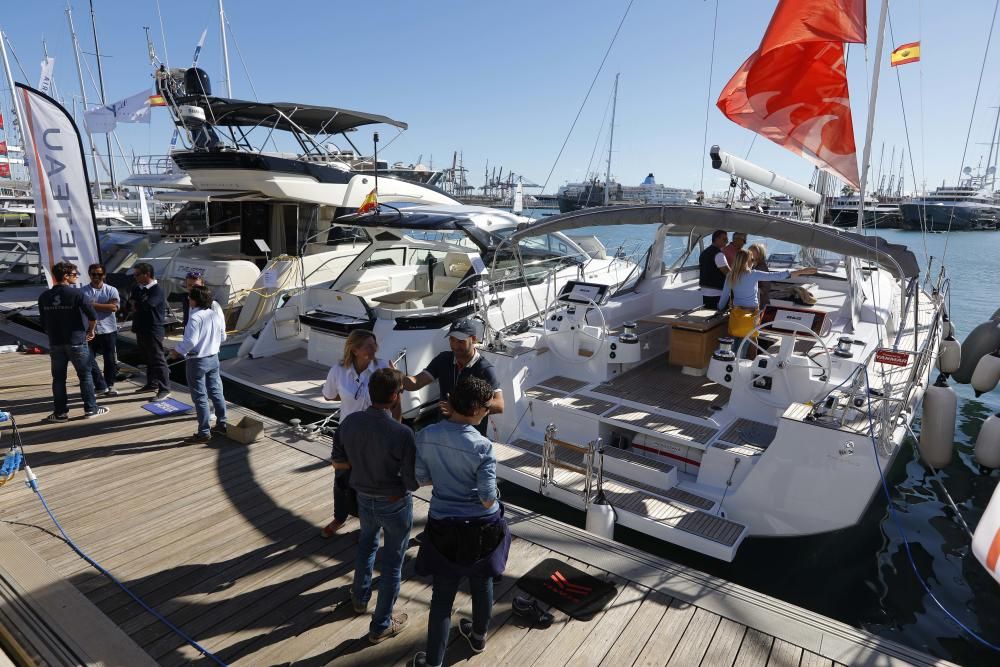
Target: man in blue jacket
{"x":149,"y":313}
{"x":69,"y":321}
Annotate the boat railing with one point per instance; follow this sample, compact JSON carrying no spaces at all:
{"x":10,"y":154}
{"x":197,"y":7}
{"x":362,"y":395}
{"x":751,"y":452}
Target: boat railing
{"x":155,"y":165}
{"x":551,"y":461}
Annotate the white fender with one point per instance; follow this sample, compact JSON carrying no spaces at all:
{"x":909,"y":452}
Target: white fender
{"x":601,"y":518}
{"x":987,"y":451}
{"x":937,"y":427}
{"x":987,"y":374}
{"x":949,"y":355}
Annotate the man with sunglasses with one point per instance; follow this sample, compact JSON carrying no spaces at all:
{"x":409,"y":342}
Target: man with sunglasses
{"x":70,"y":322}
{"x":105,"y":299}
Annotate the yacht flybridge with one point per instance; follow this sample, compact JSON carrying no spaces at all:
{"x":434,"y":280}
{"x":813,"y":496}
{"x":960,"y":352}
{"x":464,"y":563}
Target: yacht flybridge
{"x":424,"y":268}
{"x":694,"y":439}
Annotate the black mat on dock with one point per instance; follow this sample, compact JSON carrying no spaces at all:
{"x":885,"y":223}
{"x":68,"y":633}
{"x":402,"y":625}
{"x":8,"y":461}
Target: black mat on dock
{"x":568,"y":589}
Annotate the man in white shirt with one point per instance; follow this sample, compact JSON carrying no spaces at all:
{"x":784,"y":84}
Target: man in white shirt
{"x":105,"y":300}
{"x":203,"y":336}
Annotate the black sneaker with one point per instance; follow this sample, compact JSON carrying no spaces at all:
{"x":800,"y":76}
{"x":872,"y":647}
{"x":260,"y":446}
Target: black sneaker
{"x":144,"y":389}
{"x":162,"y":395}
{"x":465,"y":629}
{"x":419,"y":660}
{"x":96,"y":412}
{"x":110,"y":391}
{"x":56,"y":418}
{"x":197,"y":439}
{"x":220,"y":428}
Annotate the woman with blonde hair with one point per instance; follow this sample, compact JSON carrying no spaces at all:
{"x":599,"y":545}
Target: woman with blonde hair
{"x":758,"y":252}
{"x":347,"y":382}
{"x":742,"y":283}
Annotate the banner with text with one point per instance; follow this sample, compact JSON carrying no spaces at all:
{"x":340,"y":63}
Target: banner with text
{"x":45,"y":79}
{"x":63,"y":209}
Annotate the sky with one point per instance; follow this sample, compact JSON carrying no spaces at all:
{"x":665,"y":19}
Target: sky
{"x":501,"y":83}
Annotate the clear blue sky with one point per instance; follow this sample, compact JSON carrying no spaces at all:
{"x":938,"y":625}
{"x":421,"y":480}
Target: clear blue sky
{"x":502,"y":82}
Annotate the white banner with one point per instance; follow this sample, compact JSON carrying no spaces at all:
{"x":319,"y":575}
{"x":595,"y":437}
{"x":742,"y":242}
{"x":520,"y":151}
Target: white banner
{"x":45,"y":80}
{"x":134,"y":109}
{"x":63,"y":209}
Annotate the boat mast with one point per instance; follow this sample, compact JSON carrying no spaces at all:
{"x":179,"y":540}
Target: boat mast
{"x":13,"y":97}
{"x":225,"y":50}
{"x":611,"y":143}
{"x":872,"y":98}
{"x":83,"y":94}
{"x":100,"y":80}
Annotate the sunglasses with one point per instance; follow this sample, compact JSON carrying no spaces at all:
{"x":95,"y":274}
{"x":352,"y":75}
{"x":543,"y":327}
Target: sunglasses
{"x":96,"y":274}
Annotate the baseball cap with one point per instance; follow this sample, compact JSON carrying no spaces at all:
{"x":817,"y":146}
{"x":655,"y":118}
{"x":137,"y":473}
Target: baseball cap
{"x":466,"y":328}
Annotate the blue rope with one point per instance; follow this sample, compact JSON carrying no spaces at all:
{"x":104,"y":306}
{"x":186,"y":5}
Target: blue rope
{"x":32,"y":482}
{"x":906,"y":543}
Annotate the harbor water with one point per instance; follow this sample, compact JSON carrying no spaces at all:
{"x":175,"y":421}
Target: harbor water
{"x":863,"y":576}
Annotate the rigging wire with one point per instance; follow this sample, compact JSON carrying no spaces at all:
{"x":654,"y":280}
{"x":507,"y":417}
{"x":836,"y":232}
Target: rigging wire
{"x":163,"y":35}
{"x":708,"y":98}
{"x":909,"y":147}
{"x":968,"y":134}
{"x":587,"y":96}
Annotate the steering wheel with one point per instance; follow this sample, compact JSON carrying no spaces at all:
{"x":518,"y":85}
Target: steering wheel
{"x":777,"y":366}
{"x":563,"y":327}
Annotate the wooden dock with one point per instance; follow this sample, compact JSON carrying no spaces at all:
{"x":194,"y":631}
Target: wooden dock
{"x":224,"y":540}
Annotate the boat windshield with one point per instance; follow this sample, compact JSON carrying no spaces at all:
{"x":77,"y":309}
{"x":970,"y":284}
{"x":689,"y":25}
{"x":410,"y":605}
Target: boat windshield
{"x":539,"y":255}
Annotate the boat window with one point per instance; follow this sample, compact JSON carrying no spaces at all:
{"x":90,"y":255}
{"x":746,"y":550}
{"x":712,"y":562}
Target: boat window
{"x":447,"y":236}
{"x":386,"y":257}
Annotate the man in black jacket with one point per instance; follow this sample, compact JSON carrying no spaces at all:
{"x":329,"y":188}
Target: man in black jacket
{"x":713,"y":269}
{"x":62,"y":310}
{"x":149,"y":312}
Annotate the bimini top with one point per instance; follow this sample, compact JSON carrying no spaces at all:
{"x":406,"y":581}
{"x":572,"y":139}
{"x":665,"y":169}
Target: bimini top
{"x":288,"y":116}
{"x":481,"y":223}
{"x":703,"y":220}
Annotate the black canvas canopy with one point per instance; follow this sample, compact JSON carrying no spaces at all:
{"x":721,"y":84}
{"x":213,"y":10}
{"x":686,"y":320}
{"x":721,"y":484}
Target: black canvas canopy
{"x":703,"y":220}
{"x":288,"y":116}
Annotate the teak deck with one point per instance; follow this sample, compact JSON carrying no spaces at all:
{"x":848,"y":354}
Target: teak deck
{"x":224,"y":540}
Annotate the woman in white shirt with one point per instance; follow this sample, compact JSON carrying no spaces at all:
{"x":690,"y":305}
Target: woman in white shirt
{"x":347,"y":382}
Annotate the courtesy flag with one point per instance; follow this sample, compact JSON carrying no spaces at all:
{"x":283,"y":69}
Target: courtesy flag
{"x":907,"y":53}
{"x":370,"y":203}
{"x":793,"y":88}
{"x":157,"y":101}
{"x":64,"y":212}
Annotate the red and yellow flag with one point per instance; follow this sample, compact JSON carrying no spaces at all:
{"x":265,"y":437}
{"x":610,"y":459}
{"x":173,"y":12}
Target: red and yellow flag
{"x":907,"y":53}
{"x":157,"y":101}
{"x":370,"y":203}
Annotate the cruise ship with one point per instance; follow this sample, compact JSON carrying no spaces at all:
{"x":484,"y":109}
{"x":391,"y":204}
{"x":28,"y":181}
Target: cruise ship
{"x":575,"y":196}
{"x":961,"y":207}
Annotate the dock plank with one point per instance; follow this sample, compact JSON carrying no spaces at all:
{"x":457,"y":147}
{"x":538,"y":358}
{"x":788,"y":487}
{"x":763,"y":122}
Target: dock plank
{"x":223,"y":539}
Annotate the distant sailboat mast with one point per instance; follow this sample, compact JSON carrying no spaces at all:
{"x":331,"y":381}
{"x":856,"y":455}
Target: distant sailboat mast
{"x":611,"y":143}
{"x":225,"y":50}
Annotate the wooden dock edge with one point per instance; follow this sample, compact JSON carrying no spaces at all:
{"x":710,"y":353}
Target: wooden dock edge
{"x":45,"y":620}
{"x":824,"y":636}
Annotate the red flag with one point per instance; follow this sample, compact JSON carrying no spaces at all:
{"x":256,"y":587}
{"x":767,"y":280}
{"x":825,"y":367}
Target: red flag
{"x":3,"y":147}
{"x":793,"y":88}
{"x":4,"y":170}
{"x":1,"y":121}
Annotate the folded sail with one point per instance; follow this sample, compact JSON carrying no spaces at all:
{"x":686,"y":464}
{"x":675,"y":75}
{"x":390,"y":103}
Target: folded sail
{"x":793,"y":88}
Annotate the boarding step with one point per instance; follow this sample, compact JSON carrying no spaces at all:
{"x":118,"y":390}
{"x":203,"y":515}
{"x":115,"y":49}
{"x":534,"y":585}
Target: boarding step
{"x":671,"y":515}
{"x":665,"y":489}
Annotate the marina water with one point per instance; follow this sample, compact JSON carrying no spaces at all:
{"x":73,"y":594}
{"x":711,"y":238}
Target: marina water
{"x":862,"y":576}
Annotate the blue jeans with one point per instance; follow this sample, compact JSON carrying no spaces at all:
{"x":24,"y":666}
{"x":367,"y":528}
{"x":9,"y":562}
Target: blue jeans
{"x":60,"y":357}
{"x":205,"y":384}
{"x":394,"y":519}
{"x":442,"y":600}
{"x":104,"y":345}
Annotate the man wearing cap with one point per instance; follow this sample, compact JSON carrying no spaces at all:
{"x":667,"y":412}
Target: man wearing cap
{"x":463,"y":360}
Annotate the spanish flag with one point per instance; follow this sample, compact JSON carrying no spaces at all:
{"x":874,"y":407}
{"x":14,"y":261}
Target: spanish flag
{"x":370,"y":203}
{"x":157,"y":101}
{"x":907,"y":53}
